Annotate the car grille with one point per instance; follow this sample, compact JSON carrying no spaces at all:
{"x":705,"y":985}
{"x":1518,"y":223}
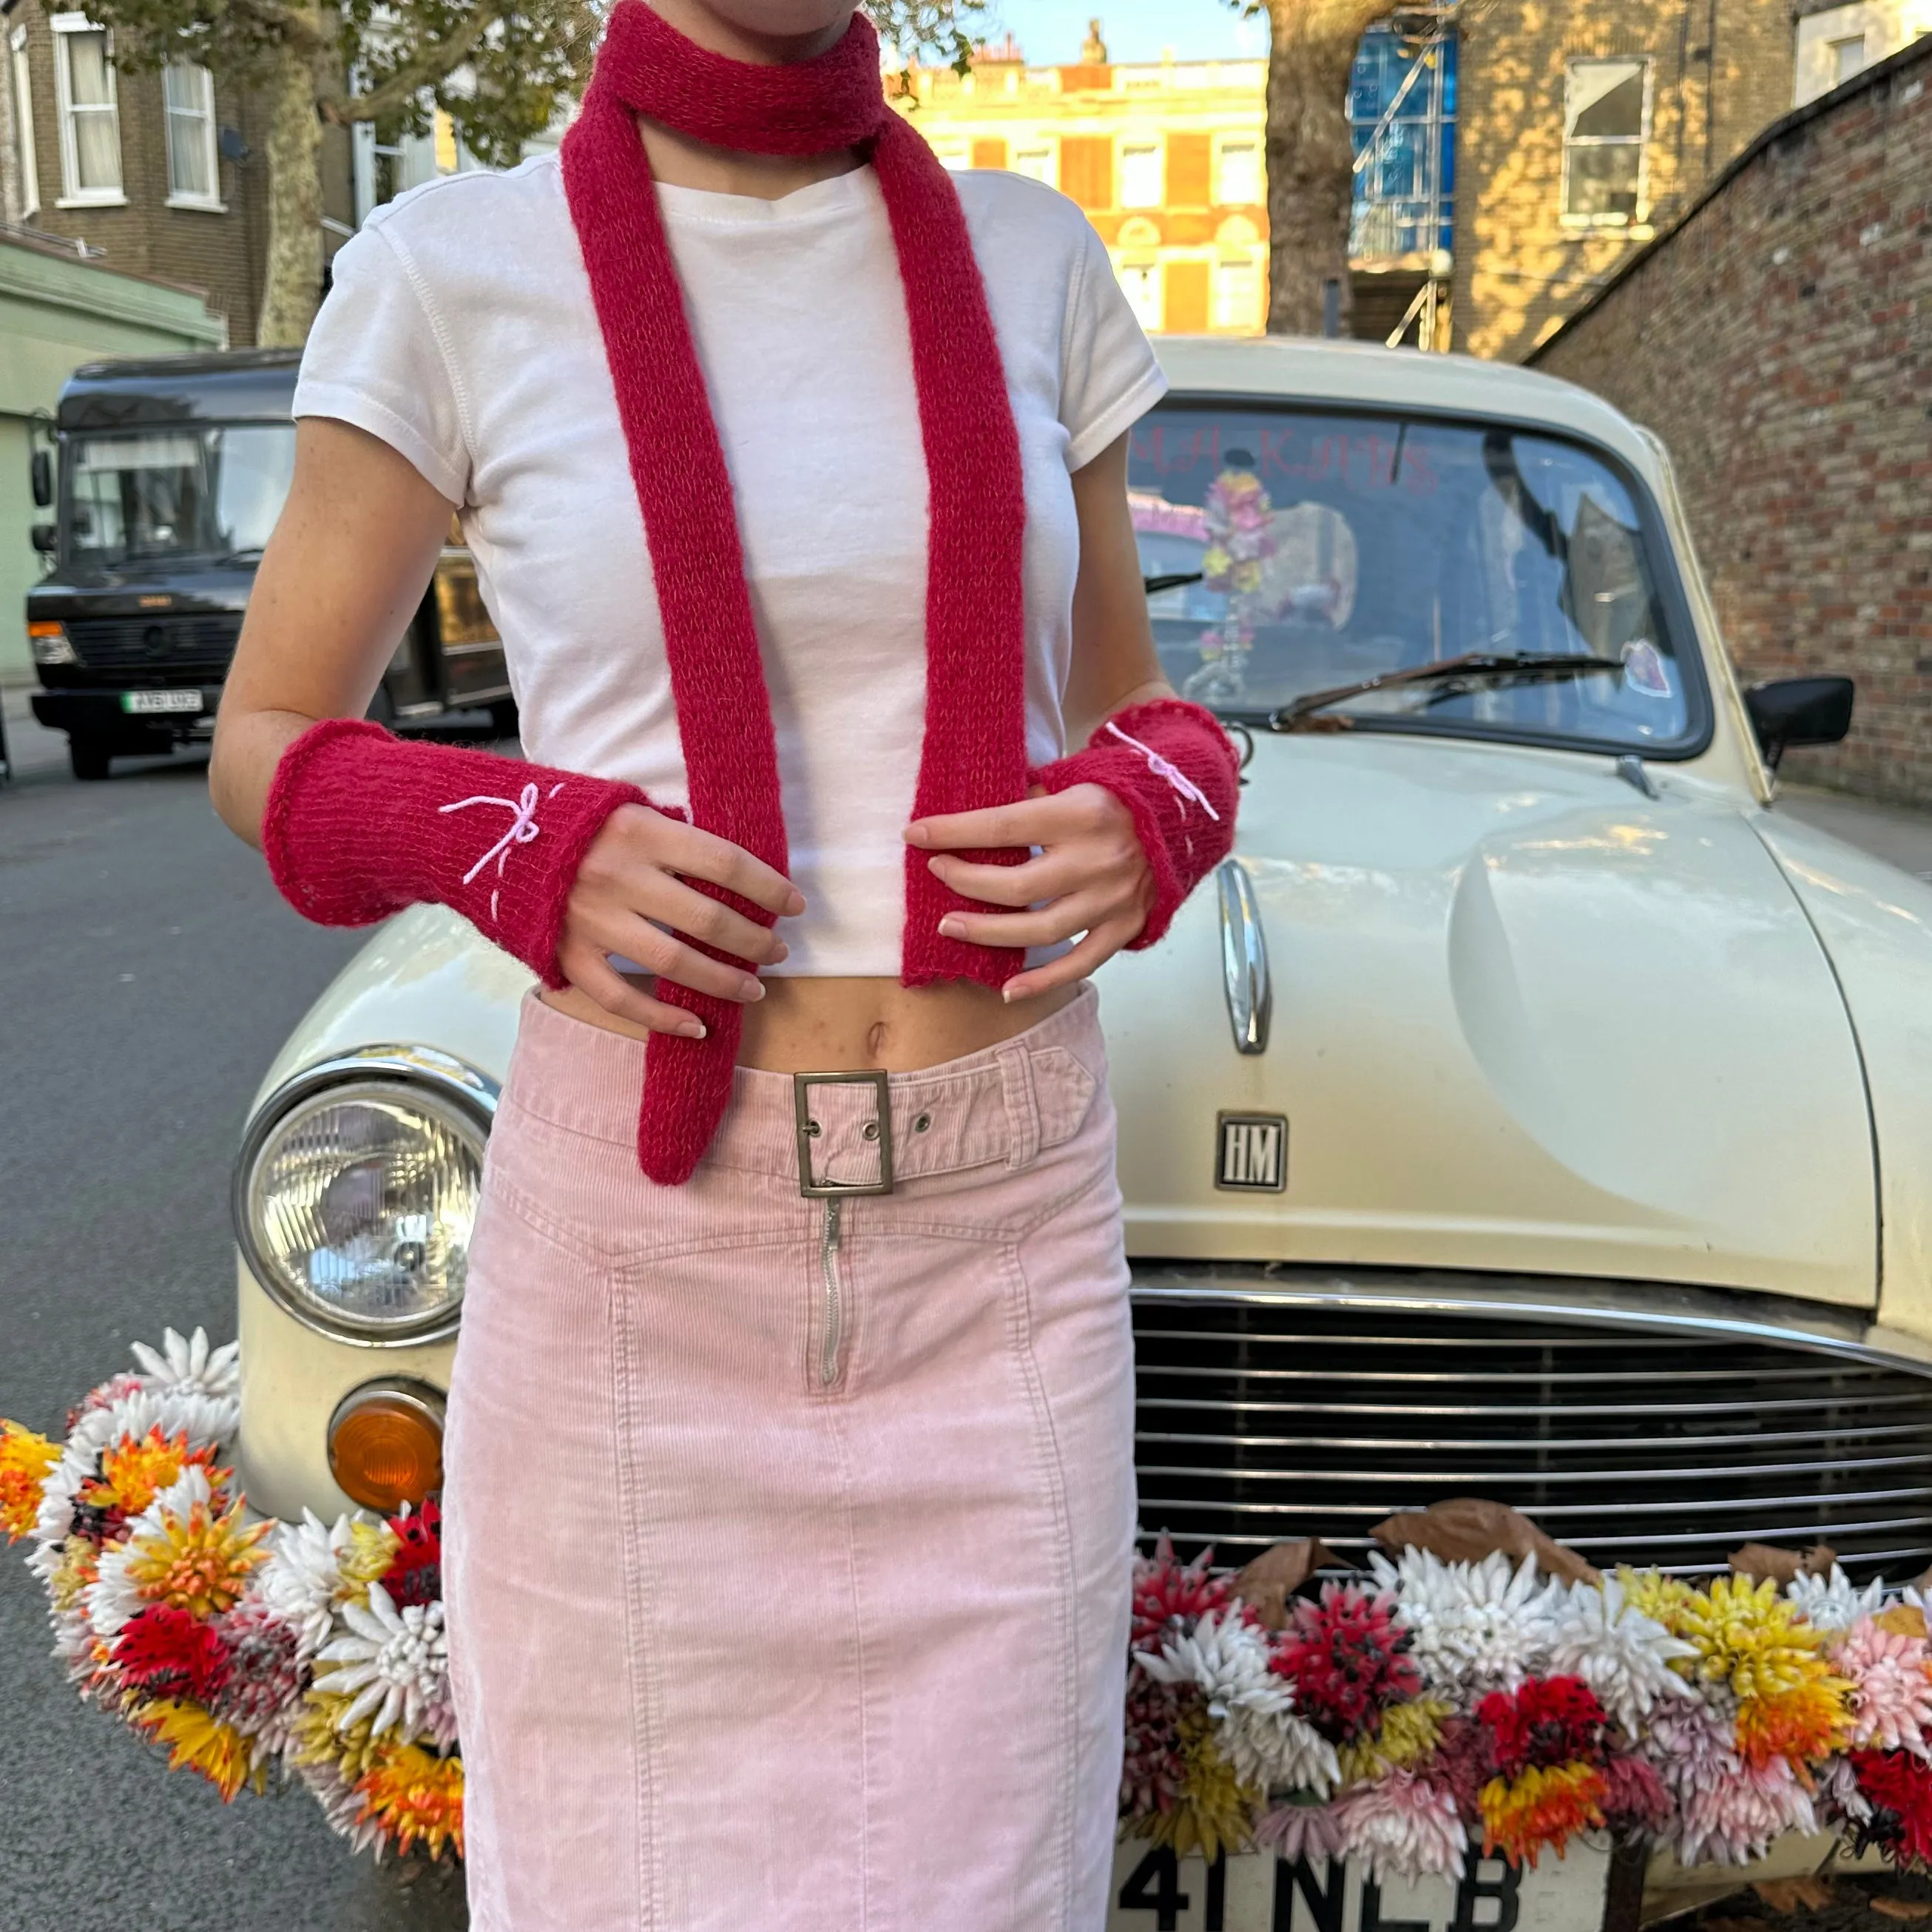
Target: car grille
{"x":1259,"y":1419}
{"x":157,"y":650}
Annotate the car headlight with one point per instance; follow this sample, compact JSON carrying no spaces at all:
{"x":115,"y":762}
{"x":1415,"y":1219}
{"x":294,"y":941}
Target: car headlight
{"x":356,"y":1191}
{"x":50,"y":644}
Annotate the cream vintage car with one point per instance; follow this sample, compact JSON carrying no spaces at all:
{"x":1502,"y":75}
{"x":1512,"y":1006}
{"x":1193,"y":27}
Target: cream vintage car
{"x":1530,"y":1109}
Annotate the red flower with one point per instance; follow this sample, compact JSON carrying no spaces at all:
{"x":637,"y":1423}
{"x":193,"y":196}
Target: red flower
{"x":1899,"y":1786}
{"x":1166,"y":1592}
{"x":165,"y":1652}
{"x":1348,"y":1660}
{"x":1634,"y":1799}
{"x":416,"y":1575}
{"x":1549,"y":1721}
{"x":1464,"y":1763}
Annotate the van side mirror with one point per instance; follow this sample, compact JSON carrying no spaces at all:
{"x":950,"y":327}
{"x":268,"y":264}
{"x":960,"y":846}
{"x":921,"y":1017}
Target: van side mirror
{"x":1788,"y":711}
{"x":42,"y":468}
{"x":45,"y":538}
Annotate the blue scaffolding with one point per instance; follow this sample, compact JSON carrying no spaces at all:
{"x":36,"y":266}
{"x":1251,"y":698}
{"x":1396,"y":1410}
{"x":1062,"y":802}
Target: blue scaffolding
{"x":1402,"y":117}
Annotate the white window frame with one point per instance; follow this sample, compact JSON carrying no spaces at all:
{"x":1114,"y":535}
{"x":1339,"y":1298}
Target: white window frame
{"x":1044,"y":150}
{"x":65,"y":25}
{"x":1641,"y":215}
{"x":1838,"y":50}
{"x":212,"y":202}
{"x":1225,"y":267}
{"x":1141,"y":144}
{"x":1250,"y":144}
{"x":22,"y":75}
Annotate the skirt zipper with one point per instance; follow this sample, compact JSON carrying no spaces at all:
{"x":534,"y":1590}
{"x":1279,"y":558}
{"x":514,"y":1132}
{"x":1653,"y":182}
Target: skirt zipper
{"x":835,"y":1298}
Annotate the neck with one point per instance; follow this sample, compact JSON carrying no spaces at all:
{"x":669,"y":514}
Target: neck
{"x":676,"y":159}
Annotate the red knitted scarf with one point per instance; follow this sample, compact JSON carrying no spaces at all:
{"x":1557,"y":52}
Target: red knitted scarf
{"x":974,"y":753}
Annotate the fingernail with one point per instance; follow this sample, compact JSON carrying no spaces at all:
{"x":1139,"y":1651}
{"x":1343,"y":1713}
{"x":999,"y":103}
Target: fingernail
{"x":952,"y":927}
{"x":750,"y":989}
{"x":795,"y":904}
{"x":694,"y":1030}
{"x":916,"y":834}
{"x":1008,"y":991}
{"x":780,"y":951}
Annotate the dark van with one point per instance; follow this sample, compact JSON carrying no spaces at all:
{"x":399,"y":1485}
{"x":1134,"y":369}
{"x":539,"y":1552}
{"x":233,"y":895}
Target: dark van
{"x":170,"y":474}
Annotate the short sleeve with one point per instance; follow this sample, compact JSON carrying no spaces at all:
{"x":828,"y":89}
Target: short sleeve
{"x":377,"y":359}
{"x":1109,"y":378}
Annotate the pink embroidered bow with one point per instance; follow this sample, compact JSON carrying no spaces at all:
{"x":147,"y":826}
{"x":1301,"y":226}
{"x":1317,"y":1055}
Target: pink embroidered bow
{"x":523,"y":829}
{"x":1164,"y":768}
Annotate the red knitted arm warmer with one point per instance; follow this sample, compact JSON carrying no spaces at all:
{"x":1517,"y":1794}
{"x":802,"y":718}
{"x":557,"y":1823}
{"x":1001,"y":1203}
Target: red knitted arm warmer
{"x":1172,"y":765}
{"x":360,"y":825}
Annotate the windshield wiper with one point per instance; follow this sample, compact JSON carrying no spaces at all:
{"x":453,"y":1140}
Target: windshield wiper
{"x":1172,"y":580}
{"x":1473,"y":665}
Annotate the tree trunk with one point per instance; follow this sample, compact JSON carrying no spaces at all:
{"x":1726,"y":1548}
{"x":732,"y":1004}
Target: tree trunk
{"x":1310,"y":162}
{"x":292,"y":287}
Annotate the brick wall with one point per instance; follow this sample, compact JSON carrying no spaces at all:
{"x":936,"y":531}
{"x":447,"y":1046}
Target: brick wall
{"x":1719,"y":70}
{"x":1780,"y":341}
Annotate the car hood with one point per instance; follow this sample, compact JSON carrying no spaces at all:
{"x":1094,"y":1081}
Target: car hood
{"x":1523,"y":1017}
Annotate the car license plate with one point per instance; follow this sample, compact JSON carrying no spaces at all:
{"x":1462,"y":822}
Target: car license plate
{"x":160,"y":700}
{"x":1155,"y":1892}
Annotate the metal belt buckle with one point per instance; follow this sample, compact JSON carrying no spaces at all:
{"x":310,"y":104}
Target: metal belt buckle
{"x":801,"y":1084}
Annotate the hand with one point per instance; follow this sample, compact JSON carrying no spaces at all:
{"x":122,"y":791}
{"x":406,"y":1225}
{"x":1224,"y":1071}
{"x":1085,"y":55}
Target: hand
{"x":1091,"y":876}
{"x":627,"y":890}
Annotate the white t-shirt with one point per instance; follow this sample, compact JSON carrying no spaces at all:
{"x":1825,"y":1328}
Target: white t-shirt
{"x":460,"y":330}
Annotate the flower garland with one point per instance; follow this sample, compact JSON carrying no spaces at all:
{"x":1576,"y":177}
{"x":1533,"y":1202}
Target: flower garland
{"x":249,"y":1649}
{"x":1439,"y":1707}
{"x":1407,"y":1718}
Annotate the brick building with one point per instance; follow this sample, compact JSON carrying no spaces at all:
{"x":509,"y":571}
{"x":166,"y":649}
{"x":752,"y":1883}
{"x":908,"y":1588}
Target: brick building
{"x":1780,"y":338}
{"x":163,"y":173}
{"x":1582,"y":129}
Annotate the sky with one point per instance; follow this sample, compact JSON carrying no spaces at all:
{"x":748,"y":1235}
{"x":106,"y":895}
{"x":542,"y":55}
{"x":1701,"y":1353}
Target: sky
{"x":1050,"y":31}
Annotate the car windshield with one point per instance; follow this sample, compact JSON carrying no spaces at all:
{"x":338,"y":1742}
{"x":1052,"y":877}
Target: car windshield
{"x":1331,"y":548}
{"x":141,"y":496}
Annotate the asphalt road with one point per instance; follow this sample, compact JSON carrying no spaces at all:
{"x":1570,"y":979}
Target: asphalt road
{"x":147,"y":973}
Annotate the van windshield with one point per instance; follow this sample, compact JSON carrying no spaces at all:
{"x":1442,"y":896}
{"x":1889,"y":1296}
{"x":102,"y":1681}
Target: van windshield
{"x":205,"y":493}
{"x":1291,"y":552}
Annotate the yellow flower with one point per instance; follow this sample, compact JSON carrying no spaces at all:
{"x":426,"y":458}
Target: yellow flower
{"x":372,"y":1548}
{"x":1542,"y":1807}
{"x":1662,"y":1599}
{"x":25,"y":1460}
{"x":1747,"y":1636}
{"x":78,"y":1566}
{"x":136,"y":1470}
{"x":1215,"y":1811}
{"x":196,"y":1741}
{"x":1811,"y":1721}
{"x":319,"y":1740}
{"x":1408,"y":1734}
{"x":417,"y":1796}
{"x":198,"y":1562}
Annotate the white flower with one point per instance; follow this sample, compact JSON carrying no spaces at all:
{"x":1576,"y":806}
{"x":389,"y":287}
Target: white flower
{"x":191,"y":1367}
{"x":1834,"y":1603}
{"x":1475,"y":1626}
{"x":302,"y":1580}
{"x":343,"y":1806}
{"x":394,"y":1666}
{"x":1253,"y":1709}
{"x":1623,"y":1655}
{"x":1404,"y":1826}
{"x":1838,"y":1785}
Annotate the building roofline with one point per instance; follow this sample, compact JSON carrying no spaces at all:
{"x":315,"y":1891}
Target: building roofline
{"x":1879,"y":72}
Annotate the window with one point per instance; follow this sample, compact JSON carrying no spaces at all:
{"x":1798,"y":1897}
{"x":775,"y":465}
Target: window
{"x":1035,"y":163}
{"x":187,"y":94}
{"x":1606,"y":109}
{"x":1848,"y":57}
{"x":23,"y":127}
{"x":1238,"y":182}
{"x":1237,"y":289}
{"x":953,"y":155}
{"x":1142,"y":282}
{"x":1140,"y":174}
{"x":90,"y":122}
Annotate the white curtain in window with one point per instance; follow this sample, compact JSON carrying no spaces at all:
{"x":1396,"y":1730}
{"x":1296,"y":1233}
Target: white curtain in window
{"x":1237,"y":287}
{"x":1240,"y":182}
{"x":1140,"y":175}
{"x":1142,"y":282}
{"x":188,"y":94}
{"x":94,"y":125}
{"x":23,"y":127}
{"x":1036,"y":164}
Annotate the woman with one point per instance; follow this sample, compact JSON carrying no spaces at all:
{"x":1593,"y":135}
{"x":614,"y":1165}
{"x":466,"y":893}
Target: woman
{"x":790,"y":1493}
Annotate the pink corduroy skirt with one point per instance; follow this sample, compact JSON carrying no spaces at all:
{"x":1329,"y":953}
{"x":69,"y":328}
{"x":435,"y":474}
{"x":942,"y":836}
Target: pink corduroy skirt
{"x":788,"y":1540}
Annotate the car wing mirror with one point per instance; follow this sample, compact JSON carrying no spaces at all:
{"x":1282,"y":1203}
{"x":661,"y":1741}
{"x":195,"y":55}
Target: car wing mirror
{"x":45,"y":538}
{"x":41,"y":469}
{"x":1788,"y":711}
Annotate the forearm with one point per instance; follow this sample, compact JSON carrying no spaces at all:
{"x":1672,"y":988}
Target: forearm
{"x":248,"y":747}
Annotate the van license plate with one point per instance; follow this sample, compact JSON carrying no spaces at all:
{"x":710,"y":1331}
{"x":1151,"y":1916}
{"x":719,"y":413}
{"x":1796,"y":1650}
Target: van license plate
{"x":161,"y":700}
{"x":1155,"y":1892}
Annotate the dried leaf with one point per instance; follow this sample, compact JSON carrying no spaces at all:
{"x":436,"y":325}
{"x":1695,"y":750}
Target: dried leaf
{"x":1266,"y":1585}
{"x":1757,"y":1561}
{"x":1902,"y":1908}
{"x":1465,"y":1529}
{"x":1902,"y":1620}
{"x":1807,"y":1894}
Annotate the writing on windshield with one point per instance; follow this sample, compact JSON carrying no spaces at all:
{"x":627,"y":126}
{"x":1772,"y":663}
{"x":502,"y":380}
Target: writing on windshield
{"x":1326,"y":550}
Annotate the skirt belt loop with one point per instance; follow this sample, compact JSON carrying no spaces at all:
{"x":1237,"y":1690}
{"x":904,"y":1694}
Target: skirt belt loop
{"x":1022,"y":1105}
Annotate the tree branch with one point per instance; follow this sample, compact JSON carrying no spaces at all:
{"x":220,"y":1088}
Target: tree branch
{"x":402,"y":86}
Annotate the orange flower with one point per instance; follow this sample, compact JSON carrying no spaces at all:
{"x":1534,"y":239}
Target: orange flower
{"x":25,"y":1460}
{"x":197,"y":1741}
{"x":1543,"y":1807}
{"x":1810,"y":1721}
{"x":136,"y":1470}
{"x":415,"y":1795}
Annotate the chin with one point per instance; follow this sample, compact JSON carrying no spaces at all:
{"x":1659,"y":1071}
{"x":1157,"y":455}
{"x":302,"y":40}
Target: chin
{"x":781,"y":20}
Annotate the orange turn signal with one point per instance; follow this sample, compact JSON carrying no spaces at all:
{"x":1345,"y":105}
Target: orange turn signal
{"x":40,"y":628}
{"x":386,"y":1444}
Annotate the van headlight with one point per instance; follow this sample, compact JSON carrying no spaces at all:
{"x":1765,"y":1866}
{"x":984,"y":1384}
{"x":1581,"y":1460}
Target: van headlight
{"x":356,"y":1189}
